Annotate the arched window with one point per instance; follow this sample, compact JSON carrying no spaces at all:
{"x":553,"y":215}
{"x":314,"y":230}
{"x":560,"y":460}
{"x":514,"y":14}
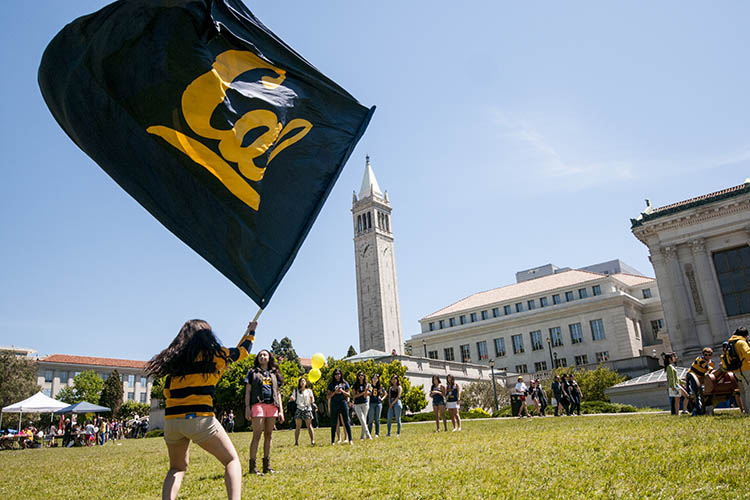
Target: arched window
{"x":369,"y":220}
{"x":359,"y":223}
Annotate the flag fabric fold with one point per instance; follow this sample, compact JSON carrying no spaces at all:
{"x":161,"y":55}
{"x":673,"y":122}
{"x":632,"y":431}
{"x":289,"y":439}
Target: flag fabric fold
{"x":219,"y":129}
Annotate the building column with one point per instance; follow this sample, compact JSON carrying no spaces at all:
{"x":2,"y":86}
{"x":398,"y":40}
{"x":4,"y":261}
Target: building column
{"x":687,"y":334}
{"x":714,"y":309}
{"x":668,"y":302}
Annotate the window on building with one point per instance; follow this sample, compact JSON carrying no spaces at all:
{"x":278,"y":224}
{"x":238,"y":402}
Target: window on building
{"x":441,"y":324}
{"x":582,"y":360}
{"x":499,"y":347}
{"x":448,"y":353}
{"x":482,"y":349}
{"x":432,"y":326}
{"x":432,"y":354}
{"x":462,"y":319}
{"x":452,"y":322}
{"x":602,"y":356}
{"x":144,"y":382}
{"x":646,"y":293}
{"x":657,"y":325}
{"x":465,"y":353}
{"x":522,"y":369}
{"x":517,"y":343}
{"x":569,"y":297}
{"x":131,"y":380}
{"x":473,"y":317}
{"x":485,"y":315}
{"x":47,"y":392}
{"x":64,"y":375}
{"x":143,"y":397}
{"x":733,"y":271}
{"x":576,"y":333}
{"x":369,"y":220}
{"x":48,"y":375}
{"x":506,"y":310}
{"x":531,"y":304}
{"x":540,"y":366}
{"x":543,"y":302}
{"x":131,"y":396}
{"x":561,"y":362}
{"x":519,"y":307}
{"x":556,"y":299}
{"x":75,"y":374}
{"x":597,"y":329}
{"x":597,"y":290}
{"x":536,"y":340}
{"x":555,"y":335}
{"x":495,"y":312}
{"x":102,"y":375}
{"x":582,"y":293}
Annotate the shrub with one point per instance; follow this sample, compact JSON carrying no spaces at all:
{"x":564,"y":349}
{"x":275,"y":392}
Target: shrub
{"x":478,"y":413}
{"x":155,"y":433}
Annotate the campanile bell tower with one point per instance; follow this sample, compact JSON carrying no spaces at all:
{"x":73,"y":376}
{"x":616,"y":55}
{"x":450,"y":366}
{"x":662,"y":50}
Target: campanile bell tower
{"x":377,"y":286}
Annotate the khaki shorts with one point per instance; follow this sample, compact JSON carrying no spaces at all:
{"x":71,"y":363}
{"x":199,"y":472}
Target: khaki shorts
{"x":196,"y":429}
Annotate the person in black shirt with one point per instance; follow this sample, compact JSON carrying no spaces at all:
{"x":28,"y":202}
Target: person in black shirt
{"x":361,"y":393}
{"x":263,"y":405}
{"x":575,"y":395}
{"x":437,"y":393}
{"x":376,"y":404}
{"x":394,"y":404}
{"x":338,"y":392}
{"x":557,"y":395}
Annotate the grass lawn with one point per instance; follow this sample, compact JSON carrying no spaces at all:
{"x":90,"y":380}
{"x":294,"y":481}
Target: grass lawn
{"x":620,"y":456}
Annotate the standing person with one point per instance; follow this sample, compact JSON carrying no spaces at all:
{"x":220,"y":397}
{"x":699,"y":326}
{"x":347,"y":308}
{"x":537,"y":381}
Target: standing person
{"x":360,"y":393}
{"x":557,"y":396}
{"x":66,"y":433}
{"x":376,"y":405}
{"x":437,"y":393}
{"x":533,"y":396}
{"x":565,"y":389}
{"x":263,"y":406}
{"x":575,"y":395}
{"x":230,"y":421}
{"x":541,"y":396}
{"x":738,"y":355}
{"x":674,"y":389}
{"x":453,"y":401}
{"x":193,"y":363}
{"x":521,"y":391}
{"x":224,"y":420}
{"x":338,"y":393}
{"x":394,"y":404}
{"x":304,"y":399}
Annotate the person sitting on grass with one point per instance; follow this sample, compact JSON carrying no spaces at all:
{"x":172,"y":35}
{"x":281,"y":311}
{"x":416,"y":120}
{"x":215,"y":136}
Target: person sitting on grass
{"x":263,"y":406}
{"x":437,"y":393}
{"x":304,"y":399}
{"x":193,"y":364}
{"x":453,"y":401}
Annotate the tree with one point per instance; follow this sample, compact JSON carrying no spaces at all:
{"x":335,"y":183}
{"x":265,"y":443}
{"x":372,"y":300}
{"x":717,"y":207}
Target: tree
{"x":284,"y":350}
{"x":17,"y":379}
{"x":230,"y":389}
{"x":111,"y":395}
{"x":481,"y":395}
{"x":87,"y":386}
{"x":351,"y":352}
{"x":131,"y":408}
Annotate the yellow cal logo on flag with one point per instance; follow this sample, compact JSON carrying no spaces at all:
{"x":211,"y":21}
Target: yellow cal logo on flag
{"x":199,"y":101}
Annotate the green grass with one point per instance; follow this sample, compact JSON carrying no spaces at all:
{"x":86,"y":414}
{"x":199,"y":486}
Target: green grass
{"x":621,"y":456}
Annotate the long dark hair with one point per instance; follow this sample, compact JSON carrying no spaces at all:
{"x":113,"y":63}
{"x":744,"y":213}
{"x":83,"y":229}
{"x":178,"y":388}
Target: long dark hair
{"x":192,"y":351}
{"x":435,"y":384}
{"x":364,"y":378}
{"x":667,"y":357}
{"x":273,"y":367}
{"x":377,"y":386}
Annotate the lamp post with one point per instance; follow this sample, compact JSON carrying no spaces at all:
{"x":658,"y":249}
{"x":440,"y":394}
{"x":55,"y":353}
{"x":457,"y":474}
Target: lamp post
{"x":549,"y":345}
{"x":554,"y":365}
{"x":494,"y":388}
{"x":424,"y":346}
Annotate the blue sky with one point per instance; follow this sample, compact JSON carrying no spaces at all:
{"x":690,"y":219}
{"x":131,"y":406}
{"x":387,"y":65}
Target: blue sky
{"x":507,"y":134}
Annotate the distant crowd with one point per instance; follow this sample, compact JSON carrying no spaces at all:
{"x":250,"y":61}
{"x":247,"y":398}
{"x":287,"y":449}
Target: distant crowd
{"x":73,"y":432}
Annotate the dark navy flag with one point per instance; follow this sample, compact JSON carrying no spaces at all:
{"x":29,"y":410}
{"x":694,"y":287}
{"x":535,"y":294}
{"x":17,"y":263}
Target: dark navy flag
{"x":219,"y":129}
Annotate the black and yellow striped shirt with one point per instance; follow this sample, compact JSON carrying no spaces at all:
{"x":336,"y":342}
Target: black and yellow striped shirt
{"x":701,"y":365}
{"x":193,"y":394}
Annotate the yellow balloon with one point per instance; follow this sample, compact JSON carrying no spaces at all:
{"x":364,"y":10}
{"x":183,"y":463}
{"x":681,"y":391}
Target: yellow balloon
{"x":318,"y":361}
{"x":314,"y":375}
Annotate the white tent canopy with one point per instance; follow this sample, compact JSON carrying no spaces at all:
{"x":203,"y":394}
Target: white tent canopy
{"x":38,"y":403}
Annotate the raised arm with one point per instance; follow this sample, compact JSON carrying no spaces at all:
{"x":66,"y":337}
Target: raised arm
{"x":245,"y":344}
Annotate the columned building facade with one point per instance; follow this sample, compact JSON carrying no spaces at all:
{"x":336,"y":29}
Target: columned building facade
{"x":700,"y":253}
{"x":375,"y":262}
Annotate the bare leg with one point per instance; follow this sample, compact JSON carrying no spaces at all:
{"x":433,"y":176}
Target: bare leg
{"x":220,"y":446}
{"x":310,"y":431}
{"x":297,"y":426}
{"x":436,"y":409}
{"x":267,"y":435}
{"x":257,"y":433}
{"x":442,"y":415}
{"x":178,"y":463}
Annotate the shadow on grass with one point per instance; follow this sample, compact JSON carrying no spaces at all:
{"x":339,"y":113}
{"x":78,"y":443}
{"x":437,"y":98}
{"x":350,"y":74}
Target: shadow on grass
{"x":214,"y":477}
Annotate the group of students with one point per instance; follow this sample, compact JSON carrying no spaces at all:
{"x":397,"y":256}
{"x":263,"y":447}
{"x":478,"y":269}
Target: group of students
{"x":566,"y":396}
{"x":446,"y":397}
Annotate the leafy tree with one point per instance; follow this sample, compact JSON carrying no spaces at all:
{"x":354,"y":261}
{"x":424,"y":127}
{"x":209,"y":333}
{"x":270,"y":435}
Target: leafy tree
{"x":591,"y":382}
{"x":284,"y":350}
{"x":230,"y":390}
{"x":157,"y":389}
{"x":17,"y":379}
{"x":481,"y":395}
{"x":276,"y":348}
{"x":87,"y":386}
{"x":351,"y":352}
{"x":111,"y":395}
{"x":131,"y":408}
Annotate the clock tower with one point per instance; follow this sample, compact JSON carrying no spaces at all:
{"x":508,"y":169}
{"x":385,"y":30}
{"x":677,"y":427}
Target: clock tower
{"x":377,"y":286}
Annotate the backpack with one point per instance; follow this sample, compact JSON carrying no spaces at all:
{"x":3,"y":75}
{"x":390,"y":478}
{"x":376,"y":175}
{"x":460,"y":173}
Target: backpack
{"x":729,"y":358}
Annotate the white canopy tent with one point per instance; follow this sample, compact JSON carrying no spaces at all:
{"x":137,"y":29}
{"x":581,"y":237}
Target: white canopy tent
{"x":38,"y":403}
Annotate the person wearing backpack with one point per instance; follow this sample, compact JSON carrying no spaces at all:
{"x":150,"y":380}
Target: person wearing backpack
{"x":736,"y":358}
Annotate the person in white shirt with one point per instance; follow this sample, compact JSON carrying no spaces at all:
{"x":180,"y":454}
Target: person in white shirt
{"x":521,"y":391}
{"x":304,"y":398}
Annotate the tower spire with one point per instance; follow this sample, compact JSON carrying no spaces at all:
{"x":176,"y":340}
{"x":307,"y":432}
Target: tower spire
{"x":369,"y":182}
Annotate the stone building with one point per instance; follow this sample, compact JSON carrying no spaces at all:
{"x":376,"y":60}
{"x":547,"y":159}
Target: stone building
{"x":699,"y":250}
{"x":377,"y":285}
{"x":557,"y":318}
{"x":58,"y":370}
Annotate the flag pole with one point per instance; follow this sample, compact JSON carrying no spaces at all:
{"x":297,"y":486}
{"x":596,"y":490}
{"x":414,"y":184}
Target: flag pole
{"x":257,"y":315}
